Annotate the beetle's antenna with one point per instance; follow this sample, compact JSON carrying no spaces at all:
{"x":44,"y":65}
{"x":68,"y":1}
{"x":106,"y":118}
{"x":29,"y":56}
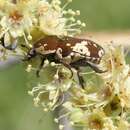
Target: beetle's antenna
{"x":24,"y":46}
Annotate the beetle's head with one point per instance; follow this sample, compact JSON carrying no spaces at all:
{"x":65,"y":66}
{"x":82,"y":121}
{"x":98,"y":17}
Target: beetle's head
{"x":31,"y":53}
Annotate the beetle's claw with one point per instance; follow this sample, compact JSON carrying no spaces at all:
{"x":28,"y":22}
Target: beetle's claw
{"x":38,"y":73}
{"x":26,"y":58}
{"x":71,"y":74}
{"x":81,"y":80}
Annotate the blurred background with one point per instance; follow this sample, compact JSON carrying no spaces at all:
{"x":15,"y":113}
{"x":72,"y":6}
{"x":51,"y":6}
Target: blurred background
{"x":102,"y":15}
{"x":106,"y":20}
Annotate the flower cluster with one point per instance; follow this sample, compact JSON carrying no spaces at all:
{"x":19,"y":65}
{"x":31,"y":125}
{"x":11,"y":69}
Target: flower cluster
{"x":52,"y":94}
{"x":108,"y":106}
{"x":101,"y":105}
{"x":20,"y":21}
{"x":104,"y":103}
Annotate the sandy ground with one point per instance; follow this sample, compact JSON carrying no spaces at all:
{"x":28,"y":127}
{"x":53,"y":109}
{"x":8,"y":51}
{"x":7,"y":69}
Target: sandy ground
{"x":107,"y":37}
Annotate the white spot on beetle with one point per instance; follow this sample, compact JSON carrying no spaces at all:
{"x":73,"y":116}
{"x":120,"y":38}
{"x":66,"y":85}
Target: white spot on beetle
{"x":95,"y":45}
{"x":88,"y":53}
{"x":81,"y":48}
{"x":42,"y":50}
{"x":72,"y":53}
{"x":88,"y":58}
{"x":59,"y":53}
{"x":68,"y":44}
{"x":45,"y":45}
{"x":93,"y":59}
{"x":100,"y":53}
{"x":84,"y":42}
{"x":49,"y":52}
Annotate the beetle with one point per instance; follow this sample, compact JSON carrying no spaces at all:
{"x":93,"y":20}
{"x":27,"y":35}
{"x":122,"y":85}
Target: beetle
{"x":69,"y":51}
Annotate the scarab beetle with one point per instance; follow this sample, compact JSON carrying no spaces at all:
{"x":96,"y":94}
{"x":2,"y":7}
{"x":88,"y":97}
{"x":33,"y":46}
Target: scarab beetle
{"x":69,"y":51}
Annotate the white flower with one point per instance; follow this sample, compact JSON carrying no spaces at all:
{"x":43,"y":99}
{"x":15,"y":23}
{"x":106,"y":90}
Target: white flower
{"x":109,"y":124}
{"x":114,"y":62}
{"x":76,"y":114}
{"x":51,"y":95}
{"x":94,"y":120}
{"x":2,"y":7}
{"x":125,"y":93}
{"x":55,"y":20}
{"x":25,"y":17}
{"x":52,"y":23}
{"x":16,"y":21}
{"x":123,"y":125}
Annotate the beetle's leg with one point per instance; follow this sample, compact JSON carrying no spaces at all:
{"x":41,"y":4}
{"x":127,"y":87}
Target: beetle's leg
{"x":40,"y":67}
{"x":28,"y":57}
{"x":59,"y":57}
{"x":95,"y":67}
{"x":31,"y":53}
{"x":80,"y":78}
{"x":2,"y":41}
{"x":84,"y":62}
